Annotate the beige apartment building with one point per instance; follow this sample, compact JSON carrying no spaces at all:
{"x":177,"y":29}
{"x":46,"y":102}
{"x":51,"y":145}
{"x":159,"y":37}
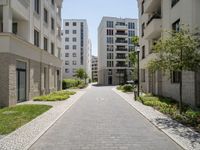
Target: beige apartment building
{"x":94,"y":68}
{"x":156,"y":16}
{"x":30,"y":47}
{"x":114,"y":46}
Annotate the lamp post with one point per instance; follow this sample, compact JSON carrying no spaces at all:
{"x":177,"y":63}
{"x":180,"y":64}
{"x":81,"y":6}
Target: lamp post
{"x":138,"y":68}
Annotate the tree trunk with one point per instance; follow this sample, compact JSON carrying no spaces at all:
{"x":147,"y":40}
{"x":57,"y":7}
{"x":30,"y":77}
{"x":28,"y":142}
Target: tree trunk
{"x":181,"y":97}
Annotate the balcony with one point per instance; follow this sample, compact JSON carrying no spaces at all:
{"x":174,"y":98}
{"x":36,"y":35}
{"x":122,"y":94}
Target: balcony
{"x":151,"y":6}
{"x":121,"y":26}
{"x":154,"y":28}
{"x":121,"y":64}
{"x":122,"y":49}
{"x":121,"y":42}
{"x":121,"y":34}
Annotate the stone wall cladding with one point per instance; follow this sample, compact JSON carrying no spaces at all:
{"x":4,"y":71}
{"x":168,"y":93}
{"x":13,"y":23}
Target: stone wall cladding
{"x":4,"y":80}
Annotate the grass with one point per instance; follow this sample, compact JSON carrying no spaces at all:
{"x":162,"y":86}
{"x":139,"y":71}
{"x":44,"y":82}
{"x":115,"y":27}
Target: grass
{"x":189,"y":117}
{"x":14,"y":117}
{"x":55,"y":96}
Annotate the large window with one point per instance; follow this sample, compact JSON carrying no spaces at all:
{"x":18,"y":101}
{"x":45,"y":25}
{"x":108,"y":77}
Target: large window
{"x":143,"y":27}
{"x":74,"y":32}
{"x":66,"y":47}
{"x":109,"y":32}
{"x":37,"y":6}
{"x":110,"y":48}
{"x":52,"y":24}
{"x":143,"y":52}
{"x":109,"y":24}
{"x":109,"y":55}
{"x":175,"y":77}
{"x":66,"y":54}
{"x":67,"y":63}
{"x":74,"y":39}
{"x":74,"y":54}
{"x":74,"y":23}
{"x":74,"y":47}
{"x":74,"y":62}
{"x":176,"y":26}
{"x":109,"y":63}
{"x":131,"y":25}
{"x":110,"y":40}
{"x":45,"y":15}
{"x":66,"y":23}
{"x":142,"y":75}
{"x":131,"y":33}
{"x":52,"y":48}
{"x":66,"y":31}
{"x":66,"y":39}
{"x":45,"y":44}
{"x":36,"y":38}
{"x":53,"y":2}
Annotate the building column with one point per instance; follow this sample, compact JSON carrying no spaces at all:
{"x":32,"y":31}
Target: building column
{"x":7,"y":19}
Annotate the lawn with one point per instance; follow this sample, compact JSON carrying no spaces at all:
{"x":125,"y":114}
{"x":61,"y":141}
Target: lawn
{"x":14,"y":117}
{"x":189,"y":117}
{"x":55,"y":96}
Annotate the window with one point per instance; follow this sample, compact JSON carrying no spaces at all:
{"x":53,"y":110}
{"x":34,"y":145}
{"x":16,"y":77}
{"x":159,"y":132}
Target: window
{"x":66,"y":47}
{"x":66,"y":70}
{"x":45,"y":15}
{"x":74,"y":39}
{"x":110,"y":40}
{"x":142,"y":75}
{"x":74,"y":47}
{"x":14,"y":27}
{"x":131,"y":48}
{"x":74,"y":62}
{"x":131,"y":25}
{"x":66,"y":23}
{"x":109,"y":32}
{"x":109,"y":24}
{"x":143,"y":27}
{"x":52,"y":2}
{"x":176,"y":26}
{"x":131,"y":33}
{"x":52,"y":48}
{"x":37,"y":6}
{"x":129,"y":41}
{"x":66,"y":54}
{"x":66,"y":39}
{"x":74,"y":31}
{"x":74,"y":23}
{"x":66,"y":63}
{"x":143,"y":52}
{"x":36,"y":38}
{"x":110,"y":48}
{"x":66,"y":31}
{"x":175,"y":77}
{"x":109,"y":55}
{"x":45,"y":44}
{"x":52,"y":24}
{"x":74,"y":54}
{"x":109,"y":63}
{"x":142,"y":7}
{"x":173,"y":2}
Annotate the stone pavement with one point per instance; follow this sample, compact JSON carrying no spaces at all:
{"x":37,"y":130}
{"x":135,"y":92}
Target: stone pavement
{"x":102,"y":120}
{"x":184,"y":136}
{"x":25,"y":136}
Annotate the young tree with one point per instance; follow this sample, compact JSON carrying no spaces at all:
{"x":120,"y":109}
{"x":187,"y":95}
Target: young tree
{"x":80,"y":73}
{"x":85,"y":77}
{"x":179,"y":51}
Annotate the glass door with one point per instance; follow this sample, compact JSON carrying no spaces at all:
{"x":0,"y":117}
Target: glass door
{"x":21,"y":85}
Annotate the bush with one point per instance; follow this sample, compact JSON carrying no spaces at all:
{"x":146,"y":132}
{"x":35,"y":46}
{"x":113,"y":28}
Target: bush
{"x":125,"y":88}
{"x":71,"y":83}
{"x":55,"y":96}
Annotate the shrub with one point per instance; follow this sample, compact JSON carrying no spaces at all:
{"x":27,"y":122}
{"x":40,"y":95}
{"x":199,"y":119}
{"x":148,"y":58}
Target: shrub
{"x":127,"y":88}
{"x":71,"y":83}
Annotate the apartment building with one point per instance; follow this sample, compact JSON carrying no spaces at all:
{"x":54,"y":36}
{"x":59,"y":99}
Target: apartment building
{"x":77,"y":47}
{"x":114,"y":46}
{"x":94,"y":68}
{"x":156,"y":16}
{"x":30,"y":46}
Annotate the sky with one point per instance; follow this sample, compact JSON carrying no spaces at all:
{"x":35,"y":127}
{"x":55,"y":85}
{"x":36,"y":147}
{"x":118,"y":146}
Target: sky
{"x":94,"y":10}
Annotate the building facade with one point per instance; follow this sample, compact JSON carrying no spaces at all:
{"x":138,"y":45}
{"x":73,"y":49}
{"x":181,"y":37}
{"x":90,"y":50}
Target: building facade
{"x":94,"y":68}
{"x":156,"y":16}
{"x":77,"y":47}
{"x":30,"y":47}
{"x":114,"y":46}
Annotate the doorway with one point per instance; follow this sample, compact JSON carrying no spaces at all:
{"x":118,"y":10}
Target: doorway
{"x":110,"y":80}
{"x":21,"y":81}
{"x":58,"y":80}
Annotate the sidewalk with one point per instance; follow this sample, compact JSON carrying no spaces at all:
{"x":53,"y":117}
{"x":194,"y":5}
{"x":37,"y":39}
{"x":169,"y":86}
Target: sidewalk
{"x":26,"y":135}
{"x":184,"y":136}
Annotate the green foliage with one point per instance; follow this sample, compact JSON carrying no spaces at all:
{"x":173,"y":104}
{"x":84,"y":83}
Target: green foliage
{"x":71,"y":83}
{"x":170,"y":107}
{"x":55,"y":96}
{"x":80,"y":73}
{"x":178,"y":51}
{"x":125,"y":88}
{"x":14,"y":117}
{"x":135,"y":40}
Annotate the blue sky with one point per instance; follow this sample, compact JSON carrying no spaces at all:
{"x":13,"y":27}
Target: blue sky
{"x":94,"y":10}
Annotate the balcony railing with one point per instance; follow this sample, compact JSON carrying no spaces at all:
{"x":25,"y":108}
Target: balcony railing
{"x":155,"y":16}
{"x":121,"y":33}
{"x":120,"y":57}
{"x":121,"y":41}
{"x":121,"y":49}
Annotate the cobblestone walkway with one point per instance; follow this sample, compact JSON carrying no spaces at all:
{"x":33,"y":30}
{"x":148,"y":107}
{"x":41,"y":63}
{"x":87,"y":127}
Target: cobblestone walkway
{"x":102,"y":120}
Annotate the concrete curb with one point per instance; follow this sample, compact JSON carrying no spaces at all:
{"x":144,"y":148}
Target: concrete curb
{"x":183,"y":136}
{"x":17,"y":139}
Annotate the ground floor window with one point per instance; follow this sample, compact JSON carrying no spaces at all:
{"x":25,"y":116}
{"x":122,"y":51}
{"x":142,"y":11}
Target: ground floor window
{"x":143,"y":75}
{"x":175,"y":77}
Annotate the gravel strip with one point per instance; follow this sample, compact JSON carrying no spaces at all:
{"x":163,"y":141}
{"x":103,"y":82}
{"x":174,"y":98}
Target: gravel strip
{"x":26,"y":135}
{"x":182,"y":135}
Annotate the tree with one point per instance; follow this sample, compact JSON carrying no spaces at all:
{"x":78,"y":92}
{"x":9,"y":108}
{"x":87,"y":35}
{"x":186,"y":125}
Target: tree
{"x":179,"y":51}
{"x":80,"y":73}
{"x":85,"y":77}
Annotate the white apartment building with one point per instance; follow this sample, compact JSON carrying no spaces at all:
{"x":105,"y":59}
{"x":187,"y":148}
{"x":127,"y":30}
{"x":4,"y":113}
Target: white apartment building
{"x":114,"y":46}
{"x":156,"y":16}
{"x":94,"y":68}
{"x":77,"y":47}
{"x":30,"y":46}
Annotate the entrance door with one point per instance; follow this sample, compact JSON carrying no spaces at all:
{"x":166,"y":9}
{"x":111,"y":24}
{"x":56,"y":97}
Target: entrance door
{"x":58,"y":80}
{"x":21,"y":85}
{"x":110,"y":80}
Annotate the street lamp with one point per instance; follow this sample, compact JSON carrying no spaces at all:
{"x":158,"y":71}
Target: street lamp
{"x":137,"y":48}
